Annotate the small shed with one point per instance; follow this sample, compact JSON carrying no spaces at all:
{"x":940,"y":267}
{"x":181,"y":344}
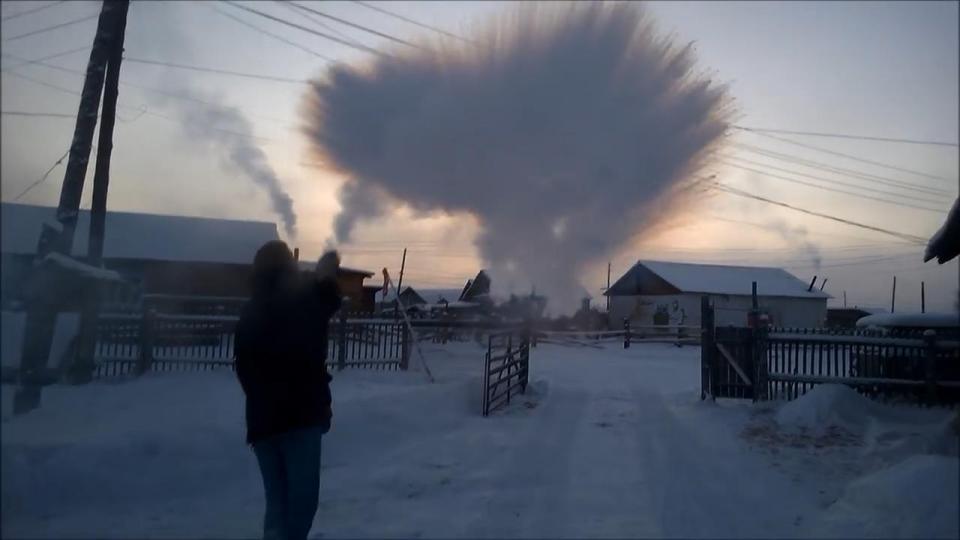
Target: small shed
{"x":658,"y":292}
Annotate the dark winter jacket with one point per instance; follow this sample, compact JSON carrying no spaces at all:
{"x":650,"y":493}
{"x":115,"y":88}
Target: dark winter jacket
{"x":281,"y":349}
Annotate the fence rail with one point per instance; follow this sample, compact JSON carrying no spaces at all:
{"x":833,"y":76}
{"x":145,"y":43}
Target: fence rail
{"x":784,"y":363}
{"x":132,"y":344}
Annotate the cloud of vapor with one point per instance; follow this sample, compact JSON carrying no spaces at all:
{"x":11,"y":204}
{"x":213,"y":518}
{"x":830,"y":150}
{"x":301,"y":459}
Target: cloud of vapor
{"x":563,"y":129}
{"x":798,"y":239}
{"x":228,"y":131}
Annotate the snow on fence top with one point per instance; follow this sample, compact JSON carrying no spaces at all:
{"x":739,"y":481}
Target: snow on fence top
{"x":131,"y":235}
{"x":721,"y":279}
{"x":911,"y":320}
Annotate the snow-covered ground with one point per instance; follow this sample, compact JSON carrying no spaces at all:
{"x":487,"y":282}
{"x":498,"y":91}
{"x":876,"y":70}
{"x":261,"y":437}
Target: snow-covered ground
{"x":606,"y":443}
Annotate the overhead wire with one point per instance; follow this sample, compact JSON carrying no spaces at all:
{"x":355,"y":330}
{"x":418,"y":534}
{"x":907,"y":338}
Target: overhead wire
{"x":215,"y":70}
{"x":822,"y":179}
{"x":854,"y":158}
{"x":268,"y":33}
{"x":51,"y":28}
{"x":34,"y":10}
{"x":853,"y":173}
{"x":48,"y":57}
{"x":740,"y":193}
{"x":42,"y":178}
{"x":354,"y":25}
{"x":845,"y":136}
{"x":412,"y":21}
{"x":304,"y":28}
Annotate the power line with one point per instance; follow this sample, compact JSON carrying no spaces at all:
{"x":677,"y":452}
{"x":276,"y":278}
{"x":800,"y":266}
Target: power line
{"x":216,"y":70}
{"x":48,"y":57}
{"x":854,"y":158}
{"x":354,"y":25}
{"x":51,"y":28}
{"x":271,"y":34}
{"x":34,"y":10}
{"x":38,"y":114}
{"x":304,"y":28}
{"x":413,"y":22}
{"x":789,"y":158}
{"x":42,"y":178}
{"x":904,"y":236}
{"x":845,"y":136}
{"x":314,"y":20}
{"x":820,"y":178}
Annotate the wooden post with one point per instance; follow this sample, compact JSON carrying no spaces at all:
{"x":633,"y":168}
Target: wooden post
{"x":609,"y":264}
{"x":405,"y":349}
{"x":626,"y":332}
{"x":844,"y":298}
{"x":42,"y":312}
{"x":148,"y":330}
{"x":706,"y":347}
{"x":342,"y":341}
{"x":893,"y":295}
{"x":923,"y":298}
{"x":930,"y":366}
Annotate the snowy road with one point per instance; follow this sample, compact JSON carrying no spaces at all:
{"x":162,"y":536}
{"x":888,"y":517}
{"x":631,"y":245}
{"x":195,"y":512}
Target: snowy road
{"x":607,"y":443}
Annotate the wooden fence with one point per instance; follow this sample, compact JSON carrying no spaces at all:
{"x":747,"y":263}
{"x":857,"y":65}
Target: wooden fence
{"x":784,"y":363}
{"x":134,"y":344}
{"x":506,"y":368}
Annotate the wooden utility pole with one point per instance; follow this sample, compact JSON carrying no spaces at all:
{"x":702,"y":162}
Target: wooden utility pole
{"x":609,"y":264}
{"x":403,"y":264}
{"x":923,"y":298}
{"x":41,"y":308}
{"x":893,"y":295}
{"x":83,"y":365}
{"x":844,"y":298}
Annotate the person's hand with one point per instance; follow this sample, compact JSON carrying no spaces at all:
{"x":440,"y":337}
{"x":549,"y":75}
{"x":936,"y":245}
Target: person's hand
{"x":328,"y":266}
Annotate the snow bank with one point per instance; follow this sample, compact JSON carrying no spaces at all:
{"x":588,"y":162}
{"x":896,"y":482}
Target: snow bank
{"x":917,"y":498}
{"x":827,"y":406}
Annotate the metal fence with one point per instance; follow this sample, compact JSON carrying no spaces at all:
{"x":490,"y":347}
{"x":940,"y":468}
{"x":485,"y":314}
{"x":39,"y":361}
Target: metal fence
{"x":506,"y":369}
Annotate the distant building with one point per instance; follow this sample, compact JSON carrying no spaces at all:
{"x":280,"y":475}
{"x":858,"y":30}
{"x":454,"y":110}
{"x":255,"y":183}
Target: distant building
{"x":847,"y":317}
{"x":655,"y":292}
{"x":167,"y":256}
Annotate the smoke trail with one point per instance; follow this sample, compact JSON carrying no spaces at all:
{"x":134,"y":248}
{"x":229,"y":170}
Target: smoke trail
{"x":565,"y":130}
{"x":228,"y":130}
{"x":797,"y":238}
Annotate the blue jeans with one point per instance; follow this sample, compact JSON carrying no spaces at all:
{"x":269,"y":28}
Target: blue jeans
{"x":290,"y":466}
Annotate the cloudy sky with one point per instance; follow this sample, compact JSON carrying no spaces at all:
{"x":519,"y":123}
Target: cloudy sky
{"x":882,"y":69}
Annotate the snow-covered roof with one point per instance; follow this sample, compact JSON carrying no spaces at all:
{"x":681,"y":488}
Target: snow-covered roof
{"x":131,"y":235}
{"x":721,"y":279}
{"x":911,"y":320}
{"x":433,"y":296}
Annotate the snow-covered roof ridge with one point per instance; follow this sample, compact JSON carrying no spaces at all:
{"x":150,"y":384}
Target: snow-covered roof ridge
{"x":731,"y":279}
{"x":131,"y":235}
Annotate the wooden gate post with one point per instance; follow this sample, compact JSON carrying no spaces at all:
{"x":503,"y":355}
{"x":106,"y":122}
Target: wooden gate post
{"x":707,"y":345}
{"x":148,"y":326}
{"x":342,"y":341}
{"x":930,"y":366}
{"x":626,"y":332}
{"x":405,"y":349}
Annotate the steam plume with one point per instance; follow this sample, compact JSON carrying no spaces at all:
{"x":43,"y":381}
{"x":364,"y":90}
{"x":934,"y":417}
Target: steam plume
{"x":564,"y":130}
{"x":228,"y":130}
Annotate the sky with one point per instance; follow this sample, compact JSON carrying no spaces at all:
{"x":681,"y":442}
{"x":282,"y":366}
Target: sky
{"x":883,"y":69}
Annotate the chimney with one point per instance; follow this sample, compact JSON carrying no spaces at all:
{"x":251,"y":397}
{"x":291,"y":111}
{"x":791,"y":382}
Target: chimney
{"x":812,"y":283}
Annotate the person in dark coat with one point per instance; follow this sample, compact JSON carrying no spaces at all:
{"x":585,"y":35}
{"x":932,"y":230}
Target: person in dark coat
{"x":281,"y":352}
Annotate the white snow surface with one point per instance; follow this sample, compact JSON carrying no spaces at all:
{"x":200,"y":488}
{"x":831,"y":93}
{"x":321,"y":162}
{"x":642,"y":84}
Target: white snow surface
{"x":911,"y":320}
{"x":606,"y":443}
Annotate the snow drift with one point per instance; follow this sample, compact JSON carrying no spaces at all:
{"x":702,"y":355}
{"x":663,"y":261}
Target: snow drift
{"x":563,"y":129}
{"x":826,"y":406}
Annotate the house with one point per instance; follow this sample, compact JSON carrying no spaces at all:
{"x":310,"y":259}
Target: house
{"x":170,"y":257}
{"x":657,"y":292}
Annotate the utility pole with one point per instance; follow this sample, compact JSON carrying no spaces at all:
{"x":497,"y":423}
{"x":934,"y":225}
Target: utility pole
{"x":844,"y":299}
{"x":893,"y":295}
{"x":923,"y":298}
{"x":83,"y":365}
{"x":609,"y":264}
{"x":403,"y":264}
{"x":41,"y":308}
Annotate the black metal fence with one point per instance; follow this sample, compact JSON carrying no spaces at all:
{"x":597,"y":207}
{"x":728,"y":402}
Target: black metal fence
{"x":506,"y":368}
